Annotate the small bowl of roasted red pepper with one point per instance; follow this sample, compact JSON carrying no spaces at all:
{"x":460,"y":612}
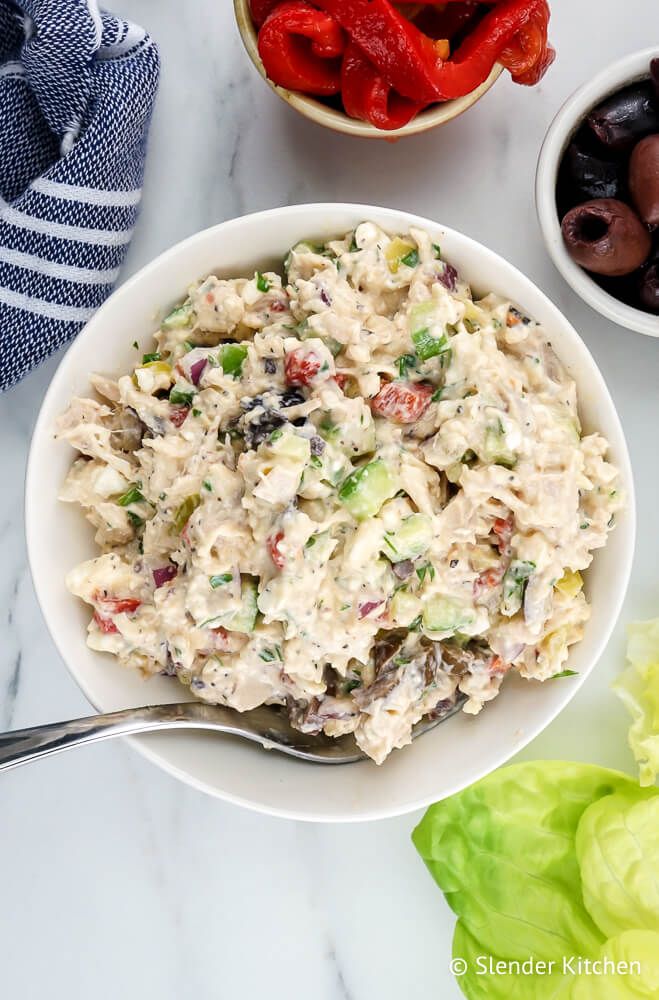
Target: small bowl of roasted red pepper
{"x":382,"y":70}
{"x":597,"y":192}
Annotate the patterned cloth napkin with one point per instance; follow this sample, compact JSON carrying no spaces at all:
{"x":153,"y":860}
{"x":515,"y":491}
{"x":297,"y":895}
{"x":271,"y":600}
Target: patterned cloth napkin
{"x":77,"y":88}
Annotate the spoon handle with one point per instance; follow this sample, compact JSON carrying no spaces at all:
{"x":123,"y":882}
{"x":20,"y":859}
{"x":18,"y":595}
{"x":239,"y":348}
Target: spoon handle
{"x":23,"y":745}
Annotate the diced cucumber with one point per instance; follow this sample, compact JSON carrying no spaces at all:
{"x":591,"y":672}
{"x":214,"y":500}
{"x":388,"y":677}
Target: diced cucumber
{"x":290,"y":445}
{"x":367,"y":488}
{"x":404,"y":608}
{"x":232,"y":357}
{"x":245,"y":619}
{"x":441,"y":614}
{"x":495,"y":449}
{"x":179,"y":317}
{"x":514,"y":585}
{"x":409,"y":540}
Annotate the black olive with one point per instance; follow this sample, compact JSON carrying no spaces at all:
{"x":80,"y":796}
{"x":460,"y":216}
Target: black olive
{"x":270,"y":366}
{"x":648,"y":288}
{"x":317,"y":445}
{"x":654,"y":73}
{"x":606,"y":236}
{"x":648,"y":283}
{"x":625,"y":117}
{"x":644,"y":179}
{"x":592,"y":176}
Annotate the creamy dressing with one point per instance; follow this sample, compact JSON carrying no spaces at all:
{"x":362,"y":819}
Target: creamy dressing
{"x":353,"y":491}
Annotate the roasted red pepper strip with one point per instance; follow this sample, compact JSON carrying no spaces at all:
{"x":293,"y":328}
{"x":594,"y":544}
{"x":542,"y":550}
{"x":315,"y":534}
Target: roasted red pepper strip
{"x":260,"y":9}
{"x":408,"y":59}
{"x":301,"y":48}
{"x":368,"y":96}
{"x":528,"y":56}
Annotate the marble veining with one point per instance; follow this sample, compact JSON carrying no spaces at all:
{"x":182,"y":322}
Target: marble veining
{"x":116,"y":879}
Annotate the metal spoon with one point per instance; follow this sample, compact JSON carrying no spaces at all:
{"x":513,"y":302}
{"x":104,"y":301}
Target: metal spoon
{"x":268,"y":726}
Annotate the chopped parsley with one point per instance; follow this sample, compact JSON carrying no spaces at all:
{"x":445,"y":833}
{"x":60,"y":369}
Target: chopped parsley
{"x":220,"y":579}
{"x":405,"y":362}
{"x":262,"y":282}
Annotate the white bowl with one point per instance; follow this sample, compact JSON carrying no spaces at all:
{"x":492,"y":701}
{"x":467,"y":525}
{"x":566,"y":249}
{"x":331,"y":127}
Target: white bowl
{"x":457,"y":752}
{"x":631,"y":69}
{"x":316,"y":110}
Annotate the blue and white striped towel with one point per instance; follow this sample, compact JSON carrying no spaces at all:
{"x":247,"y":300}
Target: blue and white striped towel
{"x":77,"y":88}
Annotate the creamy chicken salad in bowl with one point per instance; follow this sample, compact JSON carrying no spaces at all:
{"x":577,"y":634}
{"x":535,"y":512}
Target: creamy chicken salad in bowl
{"x":343,"y":461}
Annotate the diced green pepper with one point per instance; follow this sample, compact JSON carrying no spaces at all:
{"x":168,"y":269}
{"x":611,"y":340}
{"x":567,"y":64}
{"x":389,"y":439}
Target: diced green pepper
{"x":180,"y":396}
{"x":232,"y":357}
{"x":262,"y":282}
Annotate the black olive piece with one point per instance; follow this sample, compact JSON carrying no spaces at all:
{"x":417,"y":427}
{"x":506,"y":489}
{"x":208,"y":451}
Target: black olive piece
{"x":625,"y":117}
{"x":248,"y":403}
{"x":317,"y":445}
{"x":291,"y":397}
{"x":592,"y":176}
{"x":270,"y":366}
{"x":256,"y":431}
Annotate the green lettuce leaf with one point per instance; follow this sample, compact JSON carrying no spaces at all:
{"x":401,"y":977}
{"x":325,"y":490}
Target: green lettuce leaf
{"x":504,"y":854}
{"x":638,"y":979}
{"x":617,"y":847}
{"x":638,"y":687}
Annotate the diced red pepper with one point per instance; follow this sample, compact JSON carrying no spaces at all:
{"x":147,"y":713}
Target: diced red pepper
{"x":177,"y":414}
{"x":116,"y":605}
{"x":498,"y":666}
{"x":341,"y":380}
{"x":220,"y":638}
{"x":487,"y":580}
{"x":301,"y":48}
{"x":402,"y":402}
{"x":503,"y":528}
{"x":106,"y":625}
{"x":367,"y":95}
{"x":301,"y":366}
{"x":276,"y":554}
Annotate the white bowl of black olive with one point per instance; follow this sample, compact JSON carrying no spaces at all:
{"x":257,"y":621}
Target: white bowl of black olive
{"x":597,"y":192}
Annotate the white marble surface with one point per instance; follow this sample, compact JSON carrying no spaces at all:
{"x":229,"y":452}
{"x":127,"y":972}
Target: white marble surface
{"x":116,"y":879}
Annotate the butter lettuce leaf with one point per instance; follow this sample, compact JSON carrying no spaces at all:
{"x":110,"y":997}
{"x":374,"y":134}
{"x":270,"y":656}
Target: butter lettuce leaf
{"x":504,"y":854}
{"x":617,"y":847}
{"x":638,"y":687}
{"x":633,"y":972}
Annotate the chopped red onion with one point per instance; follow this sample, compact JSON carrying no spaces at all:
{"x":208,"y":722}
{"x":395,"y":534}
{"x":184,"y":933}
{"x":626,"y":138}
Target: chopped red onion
{"x":196,"y":370}
{"x":164,"y":574}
